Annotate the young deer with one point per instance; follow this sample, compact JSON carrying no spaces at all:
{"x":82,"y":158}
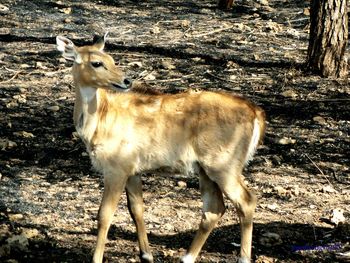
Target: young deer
{"x":212,"y":134}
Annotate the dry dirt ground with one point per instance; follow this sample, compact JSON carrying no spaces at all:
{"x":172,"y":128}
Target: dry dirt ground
{"x":49,"y":195}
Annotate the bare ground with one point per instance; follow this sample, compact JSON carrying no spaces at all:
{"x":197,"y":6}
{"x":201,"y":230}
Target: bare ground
{"x":49,"y":195}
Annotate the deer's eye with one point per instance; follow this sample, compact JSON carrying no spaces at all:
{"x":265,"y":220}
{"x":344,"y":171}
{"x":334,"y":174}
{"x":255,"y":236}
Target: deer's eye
{"x":96,"y":64}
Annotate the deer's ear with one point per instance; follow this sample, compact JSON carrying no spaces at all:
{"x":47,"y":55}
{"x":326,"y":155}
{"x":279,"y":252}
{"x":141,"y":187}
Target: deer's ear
{"x":99,"y":42}
{"x":68,"y":49}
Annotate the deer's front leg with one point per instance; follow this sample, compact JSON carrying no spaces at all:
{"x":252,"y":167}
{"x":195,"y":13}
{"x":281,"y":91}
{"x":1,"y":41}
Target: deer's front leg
{"x":113,"y":187}
{"x":136,"y":209}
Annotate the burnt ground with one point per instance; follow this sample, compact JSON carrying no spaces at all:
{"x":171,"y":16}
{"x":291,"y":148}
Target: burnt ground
{"x":49,"y":195}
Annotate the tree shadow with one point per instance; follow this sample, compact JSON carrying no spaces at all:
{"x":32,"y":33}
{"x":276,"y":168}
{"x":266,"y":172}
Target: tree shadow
{"x":299,"y":242}
{"x":295,"y":237}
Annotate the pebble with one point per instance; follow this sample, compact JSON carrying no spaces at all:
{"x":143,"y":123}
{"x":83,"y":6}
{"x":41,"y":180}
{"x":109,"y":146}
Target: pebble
{"x":320,"y":120}
{"x":16,"y":217}
{"x":289,"y":94}
{"x":24,"y":134}
{"x":182,"y":184}
{"x":286,"y":141}
{"x":166,"y":64}
{"x":18,"y":241}
{"x":30,"y":232}
{"x":155,"y":30}
{"x":3,"y":9}
{"x":53,"y":108}
{"x":280,"y":190}
{"x":337,"y":216}
{"x":272,"y":207}
{"x":270,"y":239}
{"x":328,"y":189}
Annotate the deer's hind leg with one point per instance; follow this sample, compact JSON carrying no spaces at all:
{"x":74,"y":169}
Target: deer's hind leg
{"x":244,"y":200}
{"x":213,"y":209}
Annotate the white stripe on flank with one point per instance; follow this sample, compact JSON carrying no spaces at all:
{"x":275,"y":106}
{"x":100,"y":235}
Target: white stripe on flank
{"x":254,"y":141}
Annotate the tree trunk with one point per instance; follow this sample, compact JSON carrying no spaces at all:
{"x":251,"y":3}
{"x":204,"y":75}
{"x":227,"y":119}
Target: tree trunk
{"x":225,"y":4}
{"x":328,"y":38}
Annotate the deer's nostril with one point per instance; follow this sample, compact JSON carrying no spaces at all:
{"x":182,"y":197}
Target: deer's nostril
{"x":127,"y":82}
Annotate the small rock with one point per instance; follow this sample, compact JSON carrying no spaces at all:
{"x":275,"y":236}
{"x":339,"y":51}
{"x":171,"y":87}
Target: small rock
{"x":54,"y":108}
{"x":168,"y":227}
{"x":67,"y":20}
{"x":286,"y":141}
{"x":25,"y":66}
{"x":239,"y":26}
{"x":289,"y":94}
{"x":320,"y":120}
{"x":293,"y":32}
{"x":11,"y":105}
{"x":263,"y":2}
{"x":150,"y":76}
{"x":67,"y":10}
{"x":276,"y":160}
{"x":3,"y":9}
{"x":166,"y":64}
{"x":18,"y":241}
{"x":16,"y":217}
{"x":337,"y":216}
{"x":155,"y":30}
{"x":21,"y":98}
{"x":280,"y":191}
{"x":232,"y":77}
{"x":343,"y":256}
{"x":24,"y":134}
{"x":270,"y":239}
{"x":306,"y":11}
{"x":40,"y":65}
{"x":197,"y":59}
{"x":272,"y":207}
{"x":256,"y":57}
{"x":295,"y":190}
{"x":181,"y":184}
{"x":5,"y":250}
{"x":62,"y":60}
{"x":7,"y":144}
{"x":185,"y":23}
{"x":265,"y":259}
{"x":30,"y":232}
{"x":11,"y":144}
{"x":135,"y":64}
{"x":328,"y":189}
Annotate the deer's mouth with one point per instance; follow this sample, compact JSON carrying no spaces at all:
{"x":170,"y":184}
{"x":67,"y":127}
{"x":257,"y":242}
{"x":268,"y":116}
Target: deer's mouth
{"x":120,"y":87}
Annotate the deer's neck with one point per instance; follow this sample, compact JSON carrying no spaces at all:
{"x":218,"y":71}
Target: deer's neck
{"x":85,"y":113}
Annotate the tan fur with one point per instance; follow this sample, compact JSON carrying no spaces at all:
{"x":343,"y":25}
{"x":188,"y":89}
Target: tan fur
{"x":129,"y":133}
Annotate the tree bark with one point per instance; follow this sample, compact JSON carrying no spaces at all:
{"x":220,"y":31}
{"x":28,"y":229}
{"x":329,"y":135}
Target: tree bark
{"x":225,"y":4}
{"x":328,"y":38}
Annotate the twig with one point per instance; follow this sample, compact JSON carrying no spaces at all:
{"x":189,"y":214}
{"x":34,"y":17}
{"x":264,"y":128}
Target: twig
{"x":319,"y":169}
{"x":162,"y":80}
{"x":167,"y":80}
{"x":57,"y":103}
{"x":213,"y":32}
{"x":14,"y":76}
{"x":51,"y":73}
{"x":227,"y":80}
